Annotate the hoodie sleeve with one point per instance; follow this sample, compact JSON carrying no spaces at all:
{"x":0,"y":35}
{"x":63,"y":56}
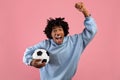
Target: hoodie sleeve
{"x":27,"y":58}
{"x":89,"y":31}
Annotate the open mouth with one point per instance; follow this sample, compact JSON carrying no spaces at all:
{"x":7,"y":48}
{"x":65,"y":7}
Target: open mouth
{"x":59,"y":39}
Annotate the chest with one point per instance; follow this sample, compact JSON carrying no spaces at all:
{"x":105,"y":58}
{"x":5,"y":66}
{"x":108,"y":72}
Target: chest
{"x":61,"y":54}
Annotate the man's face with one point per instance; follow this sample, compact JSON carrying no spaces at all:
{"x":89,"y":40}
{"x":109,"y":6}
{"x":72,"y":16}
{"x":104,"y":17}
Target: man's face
{"x":57,"y":34}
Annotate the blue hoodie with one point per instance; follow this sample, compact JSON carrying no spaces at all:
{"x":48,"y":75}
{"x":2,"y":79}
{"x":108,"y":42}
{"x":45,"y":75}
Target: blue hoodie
{"x":63,"y":58}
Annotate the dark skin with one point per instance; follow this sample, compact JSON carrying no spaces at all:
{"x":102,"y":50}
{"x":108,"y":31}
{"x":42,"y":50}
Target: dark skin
{"x":35,"y":63}
{"x":80,"y":7}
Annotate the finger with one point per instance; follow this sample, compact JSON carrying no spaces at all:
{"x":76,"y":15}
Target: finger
{"x":79,"y":5}
{"x":39,"y":65}
{"x":43,"y":64}
{"x":37,"y":60}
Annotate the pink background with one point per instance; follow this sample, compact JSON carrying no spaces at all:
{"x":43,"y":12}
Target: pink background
{"x":22,"y":23}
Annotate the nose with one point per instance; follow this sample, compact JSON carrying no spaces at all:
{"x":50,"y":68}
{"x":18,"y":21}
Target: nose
{"x":57,"y":34}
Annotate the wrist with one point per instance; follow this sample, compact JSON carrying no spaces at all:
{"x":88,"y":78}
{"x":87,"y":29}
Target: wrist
{"x":85,"y":13}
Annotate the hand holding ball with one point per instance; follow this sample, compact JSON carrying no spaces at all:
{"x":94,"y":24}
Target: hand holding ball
{"x":41,"y":54}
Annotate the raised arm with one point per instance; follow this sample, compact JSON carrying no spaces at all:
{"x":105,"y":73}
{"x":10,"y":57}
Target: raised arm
{"x":90,"y":24}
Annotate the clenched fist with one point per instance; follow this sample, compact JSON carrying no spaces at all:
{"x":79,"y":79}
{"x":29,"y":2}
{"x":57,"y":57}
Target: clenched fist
{"x":81,"y":7}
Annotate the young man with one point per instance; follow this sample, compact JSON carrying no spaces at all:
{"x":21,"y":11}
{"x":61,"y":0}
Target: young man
{"x":64,"y":50}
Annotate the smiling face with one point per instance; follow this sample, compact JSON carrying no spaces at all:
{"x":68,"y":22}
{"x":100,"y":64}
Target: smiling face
{"x":57,"y":34}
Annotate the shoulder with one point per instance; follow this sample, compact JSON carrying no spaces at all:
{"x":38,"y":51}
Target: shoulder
{"x":45,"y":42}
{"x":75,"y":37}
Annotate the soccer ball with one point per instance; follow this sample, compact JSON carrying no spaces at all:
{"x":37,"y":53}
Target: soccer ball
{"x":41,"y":54}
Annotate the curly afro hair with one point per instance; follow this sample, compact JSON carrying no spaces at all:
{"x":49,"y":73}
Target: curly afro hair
{"x":56,"y":22}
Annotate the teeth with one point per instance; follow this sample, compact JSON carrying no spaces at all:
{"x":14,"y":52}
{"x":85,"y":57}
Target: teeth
{"x":58,"y":37}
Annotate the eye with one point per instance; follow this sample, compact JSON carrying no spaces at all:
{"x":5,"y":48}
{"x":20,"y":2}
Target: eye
{"x":60,"y":29}
{"x":54,"y":30}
